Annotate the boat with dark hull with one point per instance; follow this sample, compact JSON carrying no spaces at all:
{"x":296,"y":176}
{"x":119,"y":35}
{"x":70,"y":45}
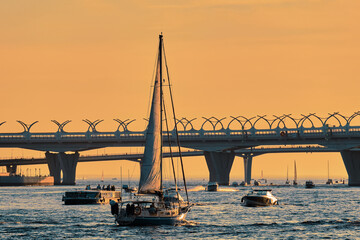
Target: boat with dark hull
{"x":259,"y":198}
{"x":93,"y":196}
{"x":309,"y":184}
{"x":7,"y":179}
{"x":212,"y":186}
{"x":152,"y":204}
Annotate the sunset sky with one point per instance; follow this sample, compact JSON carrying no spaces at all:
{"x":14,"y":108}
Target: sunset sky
{"x":87,"y":59}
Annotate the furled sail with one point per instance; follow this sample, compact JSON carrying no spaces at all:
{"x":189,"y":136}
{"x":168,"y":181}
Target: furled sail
{"x":150,"y":179}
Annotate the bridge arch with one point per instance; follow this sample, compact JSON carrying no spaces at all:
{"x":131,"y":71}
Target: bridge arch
{"x":184,"y":122}
{"x":335,"y":116}
{"x":307,"y":119}
{"x":243,"y":125}
{"x":351,"y":118}
{"x":261,"y":118}
{"x":214,"y":122}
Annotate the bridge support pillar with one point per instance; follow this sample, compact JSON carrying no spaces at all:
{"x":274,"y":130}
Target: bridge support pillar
{"x":247,"y":167}
{"x":54,"y":167}
{"x":11,"y":169}
{"x":219,"y":164}
{"x":352,"y":164}
{"x":68,"y":164}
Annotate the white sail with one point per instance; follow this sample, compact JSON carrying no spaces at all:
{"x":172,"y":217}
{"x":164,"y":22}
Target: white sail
{"x":150,"y":179}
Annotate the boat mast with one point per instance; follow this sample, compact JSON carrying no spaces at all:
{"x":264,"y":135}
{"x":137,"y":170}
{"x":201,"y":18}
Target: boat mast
{"x":287,"y":174}
{"x":161,"y":110}
{"x":295,"y":174}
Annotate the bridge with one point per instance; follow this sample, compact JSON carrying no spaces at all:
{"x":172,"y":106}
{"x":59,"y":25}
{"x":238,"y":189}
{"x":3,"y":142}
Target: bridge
{"x":218,"y":141}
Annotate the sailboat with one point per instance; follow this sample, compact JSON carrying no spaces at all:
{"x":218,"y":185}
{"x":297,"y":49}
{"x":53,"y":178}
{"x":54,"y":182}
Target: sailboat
{"x":102,"y":177}
{"x":153,"y":204}
{"x":329,"y":181}
{"x":287,"y":177}
{"x":295,"y":174}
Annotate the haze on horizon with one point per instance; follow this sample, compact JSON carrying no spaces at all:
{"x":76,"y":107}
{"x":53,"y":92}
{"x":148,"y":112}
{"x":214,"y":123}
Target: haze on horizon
{"x":94,"y":60}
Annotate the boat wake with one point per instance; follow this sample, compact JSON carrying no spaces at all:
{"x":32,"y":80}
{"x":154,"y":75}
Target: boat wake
{"x":187,"y":223}
{"x":227,"y":190}
{"x":197,"y":189}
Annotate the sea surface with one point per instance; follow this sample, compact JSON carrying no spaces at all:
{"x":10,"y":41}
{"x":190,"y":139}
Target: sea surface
{"x":325,"y":212}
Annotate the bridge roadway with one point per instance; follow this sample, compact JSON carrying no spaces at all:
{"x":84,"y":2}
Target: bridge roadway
{"x":219,"y":145}
{"x":247,"y":154}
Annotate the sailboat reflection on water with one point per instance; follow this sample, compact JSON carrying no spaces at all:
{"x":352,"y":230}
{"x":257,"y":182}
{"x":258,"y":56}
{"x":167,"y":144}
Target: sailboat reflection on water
{"x":154,"y":205}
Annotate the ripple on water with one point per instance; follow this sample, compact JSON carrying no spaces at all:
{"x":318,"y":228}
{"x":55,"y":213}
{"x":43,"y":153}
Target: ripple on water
{"x":38,"y":212}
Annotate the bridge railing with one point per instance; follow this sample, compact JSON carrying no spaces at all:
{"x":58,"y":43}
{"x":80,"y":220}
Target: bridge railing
{"x":251,"y":133}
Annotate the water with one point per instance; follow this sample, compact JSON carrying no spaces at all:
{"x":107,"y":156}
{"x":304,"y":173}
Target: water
{"x":325,"y":212}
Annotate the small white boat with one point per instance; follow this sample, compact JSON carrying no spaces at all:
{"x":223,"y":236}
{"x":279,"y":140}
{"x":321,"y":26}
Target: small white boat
{"x":212,"y":186}
{"x":94,"y":196}
{"x":259,"y":198}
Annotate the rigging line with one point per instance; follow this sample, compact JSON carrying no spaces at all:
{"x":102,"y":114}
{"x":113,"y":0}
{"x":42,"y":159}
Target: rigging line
{"x":176,"y":129}
{"x":171,"y":153}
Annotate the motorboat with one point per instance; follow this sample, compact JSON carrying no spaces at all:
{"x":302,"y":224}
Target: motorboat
{"x":259,"y":198}
{"x":91,"y":196}
{"x":212,"y":186}
{"x":309,"y":184}
{"x":152,"y":204}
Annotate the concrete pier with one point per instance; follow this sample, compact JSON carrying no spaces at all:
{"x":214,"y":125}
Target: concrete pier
{"x":247,"y":167}
{"x":54,"y":166}
{"x":66,"y":163}
{"x":352,"y":164}
{"x":219,"y":164}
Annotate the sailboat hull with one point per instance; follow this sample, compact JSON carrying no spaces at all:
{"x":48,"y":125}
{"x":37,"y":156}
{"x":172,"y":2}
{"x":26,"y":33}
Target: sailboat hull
{"x":151,"y":220}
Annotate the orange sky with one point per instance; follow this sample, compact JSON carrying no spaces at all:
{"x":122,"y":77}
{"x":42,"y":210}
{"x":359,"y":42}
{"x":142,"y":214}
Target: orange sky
{"x":94,"y":59}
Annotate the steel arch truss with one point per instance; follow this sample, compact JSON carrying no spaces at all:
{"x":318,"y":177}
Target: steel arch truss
{"x":92,"y":125}
{"x":61,"y":125}
{"x":123,"y":124}
{"x":26,"y":126}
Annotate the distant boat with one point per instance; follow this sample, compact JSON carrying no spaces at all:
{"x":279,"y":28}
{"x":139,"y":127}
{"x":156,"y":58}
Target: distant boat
{"x":295,"y":174}
{"x":309,"y":184}
{"x":91,"y":196}
{"x":212,"y":186}
{"x":287,"y":177}
{"x":257,"y":183}
{"x":259,"y":198}
{"x":262,"y":179}
{"x":329,"y":181}
{"x":7,"y":179}
{"x":102,"y":176}
{"x":235,"y":184}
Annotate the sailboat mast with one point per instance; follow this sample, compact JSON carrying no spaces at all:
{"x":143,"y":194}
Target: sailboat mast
{"x":161,"y":109}
{"x":287,"y":173}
